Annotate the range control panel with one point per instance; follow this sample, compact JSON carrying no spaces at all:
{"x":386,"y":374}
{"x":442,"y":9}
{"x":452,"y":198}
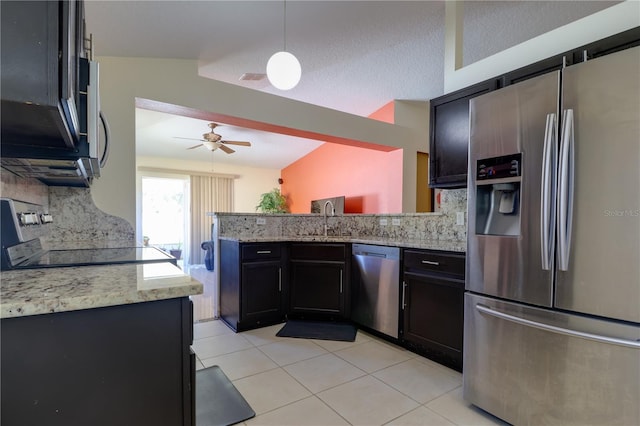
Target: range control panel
{"x":499,"y":167}
{"x":22,"y":221}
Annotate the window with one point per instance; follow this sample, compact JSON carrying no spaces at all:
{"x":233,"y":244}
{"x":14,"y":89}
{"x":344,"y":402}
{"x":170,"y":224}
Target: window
{"x":165,"y":214}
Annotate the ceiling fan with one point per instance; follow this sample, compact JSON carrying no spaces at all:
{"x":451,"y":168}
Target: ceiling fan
{"x":213,"y":141}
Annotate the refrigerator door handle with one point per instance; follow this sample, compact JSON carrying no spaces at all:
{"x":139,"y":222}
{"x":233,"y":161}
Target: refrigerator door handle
{"x":566,"y":187}
{"x":548,"y":195}
{"x":558,"y":330}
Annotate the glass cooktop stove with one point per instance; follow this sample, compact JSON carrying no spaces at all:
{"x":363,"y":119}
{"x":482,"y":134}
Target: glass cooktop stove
{"x":26,"y":257}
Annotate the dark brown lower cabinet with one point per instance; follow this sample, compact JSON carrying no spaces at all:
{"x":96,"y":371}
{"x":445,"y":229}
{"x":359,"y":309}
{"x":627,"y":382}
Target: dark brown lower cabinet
{"x":319,"y":281}
{"x":118,"y":365}
{"x":252,"y":284}
{"x":433,"y":305}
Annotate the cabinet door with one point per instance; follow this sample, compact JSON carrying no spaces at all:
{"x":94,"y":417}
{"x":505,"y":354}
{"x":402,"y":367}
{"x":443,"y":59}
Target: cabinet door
{"x":449,"y":139}
{"x":261,"y":291}
{"x":116,"y":365}
{"x":545,"y":66}
{"x":39,"y":69}
{"x":615,"y":43}
{"x":433,"y":317}
{"x":317,"y":288}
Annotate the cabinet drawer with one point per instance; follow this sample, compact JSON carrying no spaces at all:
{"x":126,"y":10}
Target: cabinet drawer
{"x":321,"y":252}
{"x":261,"y":251}
{"x":434,"y":261}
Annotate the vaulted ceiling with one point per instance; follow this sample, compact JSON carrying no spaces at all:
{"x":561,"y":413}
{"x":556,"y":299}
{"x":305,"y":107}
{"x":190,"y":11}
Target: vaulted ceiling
{"x":356,"y":56}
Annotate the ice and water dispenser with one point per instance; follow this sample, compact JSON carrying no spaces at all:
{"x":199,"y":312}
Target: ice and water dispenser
{"x":498,"y":183}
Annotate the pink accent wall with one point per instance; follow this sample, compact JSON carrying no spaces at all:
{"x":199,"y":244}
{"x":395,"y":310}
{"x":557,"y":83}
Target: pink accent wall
{"x":386,"y":113}
{"x":370,"y":180}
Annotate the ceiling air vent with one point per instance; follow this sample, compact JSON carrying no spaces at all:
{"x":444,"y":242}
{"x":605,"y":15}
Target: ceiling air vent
{"x":252,"y":76}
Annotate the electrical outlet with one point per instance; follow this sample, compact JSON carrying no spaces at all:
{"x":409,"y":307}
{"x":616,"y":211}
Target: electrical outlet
{"x":261,"y":221}
{"x":383,"y":222}
{"x":395,"y":222}
{"x":459,"y":218}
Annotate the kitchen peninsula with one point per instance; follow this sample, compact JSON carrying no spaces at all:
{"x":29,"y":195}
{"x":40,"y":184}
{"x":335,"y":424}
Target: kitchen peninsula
{"x":444,"y":230}
{"x":276,"y":267}
{"x":97,"y":345}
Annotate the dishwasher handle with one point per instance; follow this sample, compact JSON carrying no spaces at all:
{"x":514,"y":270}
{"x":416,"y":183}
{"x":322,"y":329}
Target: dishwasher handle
{"x":380,"y":252}
{"x":365,"y":253}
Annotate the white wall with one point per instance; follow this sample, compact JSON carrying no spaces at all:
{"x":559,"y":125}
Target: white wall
{"x":251,"y":182}
{"x":610,"y":21}
{"x":122,"y":80}
{"x":176,"y":82}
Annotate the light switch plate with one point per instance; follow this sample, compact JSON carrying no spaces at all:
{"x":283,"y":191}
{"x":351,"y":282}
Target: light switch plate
{"x":459,"y":218}
{"x":383,"y":222}
{"x":261,"y":221}
{"x":395,"y":222}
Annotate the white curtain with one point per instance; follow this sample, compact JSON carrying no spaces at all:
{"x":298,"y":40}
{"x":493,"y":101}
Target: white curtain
{"x":208,"y":194}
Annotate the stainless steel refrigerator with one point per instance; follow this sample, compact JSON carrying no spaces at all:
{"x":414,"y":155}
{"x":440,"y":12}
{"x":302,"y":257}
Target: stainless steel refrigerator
{"x":552,"y":308}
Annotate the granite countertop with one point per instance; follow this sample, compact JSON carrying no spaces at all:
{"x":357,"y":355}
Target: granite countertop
{"x":457,"y":246}
{"x":49,"y":290}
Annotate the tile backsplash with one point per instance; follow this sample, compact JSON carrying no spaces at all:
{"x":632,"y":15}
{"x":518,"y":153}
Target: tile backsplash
{"x":27,"y":190}
{"x":76,"y":217}
{"x":428,"y":226}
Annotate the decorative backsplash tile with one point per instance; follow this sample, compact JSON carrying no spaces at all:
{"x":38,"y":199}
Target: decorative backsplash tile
{"x":78,"y":219}
{"x":75,"y":216}
{"x":27,"y":190}
{"x":409,"y":226}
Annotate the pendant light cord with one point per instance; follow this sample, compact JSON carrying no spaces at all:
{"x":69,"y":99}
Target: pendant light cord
{"x":284,"y":19}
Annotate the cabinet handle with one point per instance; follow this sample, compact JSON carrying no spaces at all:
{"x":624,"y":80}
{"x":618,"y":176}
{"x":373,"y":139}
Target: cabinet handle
{"x":340,"y":281}
{"x":404,"y":292}
{"x":264,"y":252}
{"x":431,"y":262}
{"x":280,"y":279}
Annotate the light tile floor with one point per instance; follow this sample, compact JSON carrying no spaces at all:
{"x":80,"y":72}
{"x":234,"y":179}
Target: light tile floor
{"x":317,"y":382}
{"x":204,"y":305}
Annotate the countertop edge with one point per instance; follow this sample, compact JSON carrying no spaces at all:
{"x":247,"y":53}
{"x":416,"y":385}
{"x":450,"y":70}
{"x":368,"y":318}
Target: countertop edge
{"x":442,"y":245}
{"x":53,"y":290}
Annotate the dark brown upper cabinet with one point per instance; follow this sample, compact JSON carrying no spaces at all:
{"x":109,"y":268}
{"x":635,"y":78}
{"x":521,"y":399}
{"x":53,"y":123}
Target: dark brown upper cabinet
{"x":449,"y":138}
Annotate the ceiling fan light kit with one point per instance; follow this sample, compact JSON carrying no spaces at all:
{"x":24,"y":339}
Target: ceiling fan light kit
{"x":213,"y":141}
{"x":283,"y":68}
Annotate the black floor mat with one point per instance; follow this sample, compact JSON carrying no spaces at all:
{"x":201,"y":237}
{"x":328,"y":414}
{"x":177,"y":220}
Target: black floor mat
{"x":319,"y":330}
{"x":218,"y":402}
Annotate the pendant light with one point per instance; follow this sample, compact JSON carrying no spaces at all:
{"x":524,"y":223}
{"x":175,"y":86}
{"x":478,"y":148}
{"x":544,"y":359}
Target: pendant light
{"x":283,"y":68}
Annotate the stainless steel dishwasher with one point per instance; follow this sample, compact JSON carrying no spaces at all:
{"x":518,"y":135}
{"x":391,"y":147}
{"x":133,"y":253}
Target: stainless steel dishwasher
{"x":376,"y":287}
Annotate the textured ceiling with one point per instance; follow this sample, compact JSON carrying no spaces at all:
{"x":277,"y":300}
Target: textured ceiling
{"x":356,"y":56}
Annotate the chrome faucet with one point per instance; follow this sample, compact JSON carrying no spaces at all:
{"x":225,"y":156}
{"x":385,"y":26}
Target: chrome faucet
{"x":333,"y":213}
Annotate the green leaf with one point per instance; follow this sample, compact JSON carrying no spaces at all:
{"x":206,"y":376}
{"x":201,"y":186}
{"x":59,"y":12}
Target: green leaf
{"x":273,"y":202}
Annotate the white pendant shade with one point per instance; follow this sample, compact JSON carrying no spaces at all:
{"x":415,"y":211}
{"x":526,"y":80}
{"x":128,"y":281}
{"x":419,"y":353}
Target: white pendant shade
{"x":283,"y":70}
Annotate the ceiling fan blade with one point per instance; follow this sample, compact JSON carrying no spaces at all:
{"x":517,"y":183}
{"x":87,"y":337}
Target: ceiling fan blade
{"x":241,"y":143}
{"x":195,"y":146}
{"x":189,"y":139}
{"x":226,"y":149}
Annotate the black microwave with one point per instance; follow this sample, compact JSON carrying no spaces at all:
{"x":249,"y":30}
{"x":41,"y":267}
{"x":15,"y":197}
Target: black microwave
{"x":50,"y":117}
{"x":58,"y":165}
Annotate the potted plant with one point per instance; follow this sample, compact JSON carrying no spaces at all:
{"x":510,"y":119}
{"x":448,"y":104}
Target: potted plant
{"x":272,"y":202}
